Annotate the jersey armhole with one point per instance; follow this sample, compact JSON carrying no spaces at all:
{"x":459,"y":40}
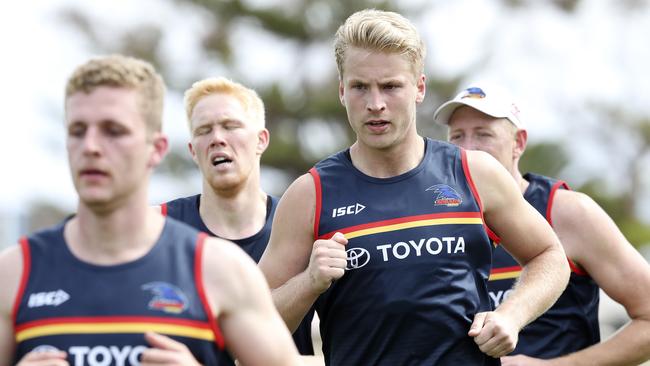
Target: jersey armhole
{"x":200,"y":288}
{"x":319,"y":203}
{"x":27,"y":262}
{"x":549,"y":206}
{"x":491,"y":234}
{"x":575,"y":267}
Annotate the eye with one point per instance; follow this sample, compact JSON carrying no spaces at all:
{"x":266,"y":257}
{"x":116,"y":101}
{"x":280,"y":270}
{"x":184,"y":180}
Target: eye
{"x":358,"y":86}
{"x":76,"y":130}
{"x":114,"y":129}
{"x":203,"y":130}
{"x":231,"y":125}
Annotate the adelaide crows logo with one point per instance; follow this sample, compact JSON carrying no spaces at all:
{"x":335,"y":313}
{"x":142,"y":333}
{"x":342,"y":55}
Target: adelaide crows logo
{"x":446,"y":196}
{"x":167,"y":298}
{"x":476,"y":93}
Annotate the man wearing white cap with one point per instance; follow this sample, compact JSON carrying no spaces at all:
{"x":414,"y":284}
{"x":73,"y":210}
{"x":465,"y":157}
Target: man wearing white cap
{"x":486,"y":119}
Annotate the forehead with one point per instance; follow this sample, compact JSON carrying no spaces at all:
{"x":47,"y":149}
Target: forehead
{"x":360,"y":63}
{"x":219,"y":106}
{"x":103,"y":103}
{"x":465,"y":116}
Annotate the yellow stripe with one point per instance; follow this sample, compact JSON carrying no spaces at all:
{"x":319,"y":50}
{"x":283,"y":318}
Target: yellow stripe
{"x":94,"y":328}
{"x":412,"y":224}
{"x":504,"y":275}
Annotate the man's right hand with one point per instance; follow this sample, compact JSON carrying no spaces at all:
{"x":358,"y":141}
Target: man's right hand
{"x":50,"y":358}
{"x":327,"y":262}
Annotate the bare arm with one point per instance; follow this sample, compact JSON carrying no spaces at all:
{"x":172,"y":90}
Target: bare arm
{"x":591,"y":238}
{"x":297,"y":268}
{"x":254,"y":332}
{"x":11,"y":268}
{"x":531,"y":241}
{"x":10,"y":271}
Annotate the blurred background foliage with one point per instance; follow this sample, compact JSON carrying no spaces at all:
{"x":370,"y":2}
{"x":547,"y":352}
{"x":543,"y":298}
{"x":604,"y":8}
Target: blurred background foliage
{"x":304,"y":115}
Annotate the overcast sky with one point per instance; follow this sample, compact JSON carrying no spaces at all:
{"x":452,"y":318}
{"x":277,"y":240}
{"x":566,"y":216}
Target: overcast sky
{"x":555,"y":63}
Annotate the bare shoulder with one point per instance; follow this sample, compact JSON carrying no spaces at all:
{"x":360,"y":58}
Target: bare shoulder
{"x":11,"y":268}
{"x":300,"y":194}
{"x":225,"y":261}
{"x":581,"y":224}
{"x":495,"y":185}
{"x":230,"y":276}
{"x":569,"y":206}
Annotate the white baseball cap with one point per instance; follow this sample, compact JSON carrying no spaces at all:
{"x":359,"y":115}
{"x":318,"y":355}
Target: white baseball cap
{"x":489,"y":100}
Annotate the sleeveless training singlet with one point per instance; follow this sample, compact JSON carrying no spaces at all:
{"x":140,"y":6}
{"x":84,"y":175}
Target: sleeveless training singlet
{"x":418,"y":262}
{"x":99,"y":314}
{"x":187,"y":210}
{"x":571,"y":324}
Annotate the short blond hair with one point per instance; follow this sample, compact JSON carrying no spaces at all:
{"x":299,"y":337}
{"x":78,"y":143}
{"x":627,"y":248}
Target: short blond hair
{"x":123,"y":72}
{"x":379,"y":30}
{"x":252,"y":103}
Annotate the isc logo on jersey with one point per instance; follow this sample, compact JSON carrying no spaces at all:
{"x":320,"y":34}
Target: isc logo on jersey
{"x":348,"y":210}
{"x":51,"y":298}
{"x":100,"y":355}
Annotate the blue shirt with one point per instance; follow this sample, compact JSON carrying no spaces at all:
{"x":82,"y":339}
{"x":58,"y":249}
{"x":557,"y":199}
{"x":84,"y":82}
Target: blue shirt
{"x":99,"y":313}
{"x":187,"y":210}
{"x":571,"y":324}
{"x":418,"y":262}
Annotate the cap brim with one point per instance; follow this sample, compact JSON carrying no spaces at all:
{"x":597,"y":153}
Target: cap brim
{"x":444,"y":112}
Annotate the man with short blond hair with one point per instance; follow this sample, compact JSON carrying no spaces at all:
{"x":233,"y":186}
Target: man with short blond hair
{"x":390,"y":238}
{"x":228,"y":137}
{"x":118,"y":283}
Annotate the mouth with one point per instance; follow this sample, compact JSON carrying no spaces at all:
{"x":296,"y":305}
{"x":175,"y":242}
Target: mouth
{"x":220,"y":160}
{"x":92,"y":173}
{"x":377,"y":123}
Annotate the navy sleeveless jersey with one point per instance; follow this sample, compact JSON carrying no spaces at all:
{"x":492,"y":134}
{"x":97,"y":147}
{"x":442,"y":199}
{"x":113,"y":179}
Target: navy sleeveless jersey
{"x":418,"y":262}
{"x":99,"y":314}
{"x":571,"y":324}
{"x":187,"y":210}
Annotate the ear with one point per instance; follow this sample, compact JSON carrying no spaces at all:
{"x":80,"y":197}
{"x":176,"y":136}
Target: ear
{"x":421,"y":84}
{"x":263,"y":138}
{"x":521,"y":138}
{"x":190,"y":147}
{"x":341,"y":92}
{"x":160,"y":148}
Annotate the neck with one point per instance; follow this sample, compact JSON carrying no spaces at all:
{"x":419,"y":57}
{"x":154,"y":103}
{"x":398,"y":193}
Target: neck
{"x":234,"y":214}
{"x":521,"y":182}
{"x":390,"y":162}
{"x":109,"y":237}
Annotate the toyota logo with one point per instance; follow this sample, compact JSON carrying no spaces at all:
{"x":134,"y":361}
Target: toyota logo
{"x":357,"y":258}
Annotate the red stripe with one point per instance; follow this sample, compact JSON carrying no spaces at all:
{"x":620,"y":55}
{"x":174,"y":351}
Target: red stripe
{"x":112,"y":319}
{"x":463,"y":157}
{"x":200,"y":288}
{"x":27,"y":265}
{"x":319,"y":202}
{"x":575,"y":268}
{"x":163,"y":209}
{"x":551,"y":196}
{"x":505,"y":269}
{"x":370,"y":225}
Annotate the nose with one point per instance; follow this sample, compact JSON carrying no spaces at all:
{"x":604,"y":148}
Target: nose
{"x":91,"y":142}
{"x":375,"y":101}
{"x":217,"y":138}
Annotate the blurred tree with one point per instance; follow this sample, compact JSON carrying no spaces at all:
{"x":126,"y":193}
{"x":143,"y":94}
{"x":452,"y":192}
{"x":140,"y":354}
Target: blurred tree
{"x":304,"y":114}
